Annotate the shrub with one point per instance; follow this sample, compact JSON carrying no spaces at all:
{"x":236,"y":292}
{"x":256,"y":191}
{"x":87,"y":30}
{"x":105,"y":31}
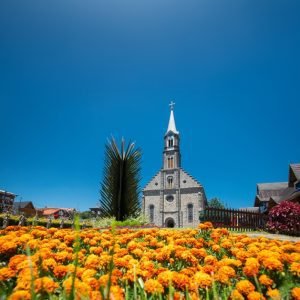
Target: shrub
{"x":284,"y":218}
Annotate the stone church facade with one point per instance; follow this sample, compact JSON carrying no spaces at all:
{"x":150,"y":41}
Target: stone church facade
{"x":173,"y":198}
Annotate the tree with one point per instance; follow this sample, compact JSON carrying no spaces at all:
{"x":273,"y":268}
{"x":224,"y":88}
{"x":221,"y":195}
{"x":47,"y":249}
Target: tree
{"x":121,"y":179}
{"x":215,"y":203}
{"x":86,"y":214}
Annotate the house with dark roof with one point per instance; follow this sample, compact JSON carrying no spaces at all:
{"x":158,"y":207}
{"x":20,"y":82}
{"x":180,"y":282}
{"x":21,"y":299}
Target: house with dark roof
{"x":269,"y":195}
{"x":24,"y":207}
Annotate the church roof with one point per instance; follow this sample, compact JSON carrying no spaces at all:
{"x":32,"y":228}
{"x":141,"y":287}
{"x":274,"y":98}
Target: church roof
{"x":172,"y":126}
{"x":296,"y":170}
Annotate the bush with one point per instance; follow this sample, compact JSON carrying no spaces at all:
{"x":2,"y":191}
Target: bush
{"x":284,"y":218}
{"x":139,"y":220}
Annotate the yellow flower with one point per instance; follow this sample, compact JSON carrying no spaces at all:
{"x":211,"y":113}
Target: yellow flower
{"x":205,"y":226}
{"x":49,"y":264}
{"x":255,"y":296}
{"x":274,"y":294}
{"x":224,"y":274}
{"x":251,"y":267}
{"x":272,"y":263}
{"x":236,"y":295}
{"x":6,"y":273}
{"x":245,"y":287}
{"x":152,"y":286}
{"x":20,"y":295}
{"x":265,"y":280}
{"x":165,"y":278}
{"x":202,"y":279}
{"x":295,"y":268}
{"x":45,"y":284}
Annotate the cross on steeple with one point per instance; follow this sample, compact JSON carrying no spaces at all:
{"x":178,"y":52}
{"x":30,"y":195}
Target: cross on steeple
{"x":172,"y":105}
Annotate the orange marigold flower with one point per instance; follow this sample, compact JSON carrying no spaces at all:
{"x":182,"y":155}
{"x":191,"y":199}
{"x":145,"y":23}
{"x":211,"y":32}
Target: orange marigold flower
{"x":202,"y":279}
{"x":216,"y":248}
{"x":16,"y":260}
{"x":95,"y":295}
{"x":116,"y":293}
{"x":60,"y":271}
{"x":210,"y":260}
{"x":49,"y":264}
{"x":274,"y":294}
{"x":295,"y":268}
{"x":45,"y":284}
{"x":205,"y":226}
{"x":265,"y":280}
{"x":255,"y":296}
{"x":296,"y":293}
{"x":92,"y":261}
{"x":8,"y":247}
{"x":81,"y":289}
{"x":6,"y":273}
{"x":236,"y":295}
{"x":272,"y":263}
{"x":20,"y":295}
{"x":181,"y":281}
{"x":251,"y":267}
{"x":152,"y":286}
{"x":88,"y":273}
{"x":224,"y":274}
{"x":245,"y":287}
{"x":165,"y":278}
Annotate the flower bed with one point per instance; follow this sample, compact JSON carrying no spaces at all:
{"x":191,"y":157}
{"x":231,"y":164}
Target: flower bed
{"x":202,"y":263}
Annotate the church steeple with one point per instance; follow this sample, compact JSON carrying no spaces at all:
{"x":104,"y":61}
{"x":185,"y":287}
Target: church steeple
{"x":172,"y":126}
{"x":171,"y":154}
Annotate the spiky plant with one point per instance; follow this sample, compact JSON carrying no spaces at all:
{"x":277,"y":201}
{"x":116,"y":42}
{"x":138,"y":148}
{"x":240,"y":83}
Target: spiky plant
{"x":121,"y":179}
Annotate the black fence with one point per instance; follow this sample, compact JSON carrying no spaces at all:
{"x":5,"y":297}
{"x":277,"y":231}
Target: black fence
{"x":234,"y":219}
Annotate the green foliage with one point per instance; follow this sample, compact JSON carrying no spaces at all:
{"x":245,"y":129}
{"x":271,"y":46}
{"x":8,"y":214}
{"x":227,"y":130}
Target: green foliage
{"x":121,"y":178}
{"x":111,"y":221}
{"x":216,"y":203}
{"x":86,"y":215}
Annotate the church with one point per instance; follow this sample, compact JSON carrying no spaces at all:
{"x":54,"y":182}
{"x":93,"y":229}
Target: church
{"x":173,"y":198}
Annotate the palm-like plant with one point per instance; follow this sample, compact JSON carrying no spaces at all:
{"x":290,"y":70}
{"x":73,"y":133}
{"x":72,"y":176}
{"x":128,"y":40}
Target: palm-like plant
{"x":121,"y":178}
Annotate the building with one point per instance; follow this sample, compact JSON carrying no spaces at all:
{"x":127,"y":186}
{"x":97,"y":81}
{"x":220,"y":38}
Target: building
{"x":25,"y":207}
{"x":173,"y":198}
{"x":56,"y":212}
{"x":269,"y":195}
{"x":6,"y":201}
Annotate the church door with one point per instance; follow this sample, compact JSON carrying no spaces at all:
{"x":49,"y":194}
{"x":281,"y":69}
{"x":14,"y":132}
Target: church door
{"x":170,"y":223}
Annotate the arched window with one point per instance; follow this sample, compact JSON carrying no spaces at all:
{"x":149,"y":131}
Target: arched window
{"x":170,"y":142}
{"x":190,"y":212}
{"x":169,"y":182}
{"x":151,"y":213}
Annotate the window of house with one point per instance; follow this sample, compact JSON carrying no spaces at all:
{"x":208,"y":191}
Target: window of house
{"x":151,"y":213}
{"x":170,"y":182}
{"x":190,"y":212}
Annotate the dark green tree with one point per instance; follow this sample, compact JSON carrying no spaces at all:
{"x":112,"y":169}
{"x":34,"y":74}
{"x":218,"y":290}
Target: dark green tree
{"x":215,"y":203}
{"x":120,"y":187}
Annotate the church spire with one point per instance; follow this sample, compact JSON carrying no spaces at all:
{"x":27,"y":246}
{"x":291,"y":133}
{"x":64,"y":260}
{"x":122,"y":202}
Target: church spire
{"x":172,"y":126}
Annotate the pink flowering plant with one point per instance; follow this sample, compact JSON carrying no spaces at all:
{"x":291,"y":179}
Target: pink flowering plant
{"x":285,"y":218}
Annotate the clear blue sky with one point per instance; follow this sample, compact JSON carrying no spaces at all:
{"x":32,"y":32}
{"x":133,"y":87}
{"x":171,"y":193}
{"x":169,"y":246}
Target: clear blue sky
{"x":73,"y":73}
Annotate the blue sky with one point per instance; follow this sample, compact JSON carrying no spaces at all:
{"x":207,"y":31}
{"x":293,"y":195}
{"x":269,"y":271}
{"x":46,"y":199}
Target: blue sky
{"x":73,"y":73}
